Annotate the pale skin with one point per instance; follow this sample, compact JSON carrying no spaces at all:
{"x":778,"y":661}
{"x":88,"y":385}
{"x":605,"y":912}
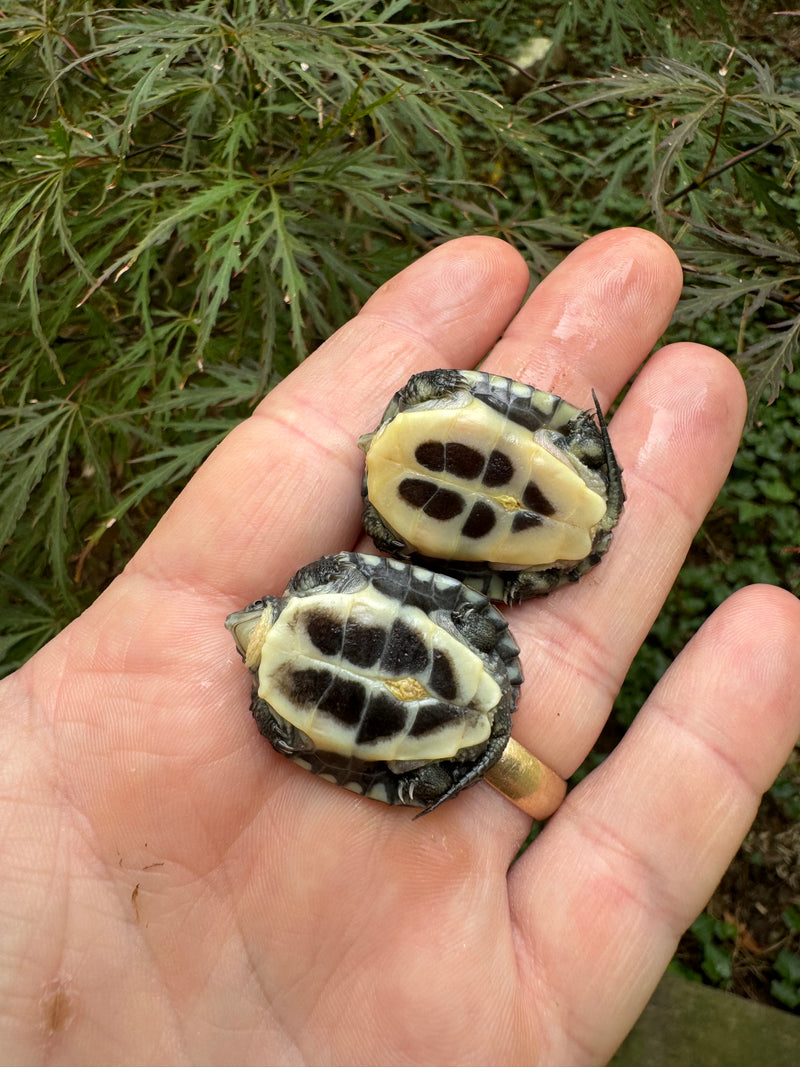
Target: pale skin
{"x":173,"y":891}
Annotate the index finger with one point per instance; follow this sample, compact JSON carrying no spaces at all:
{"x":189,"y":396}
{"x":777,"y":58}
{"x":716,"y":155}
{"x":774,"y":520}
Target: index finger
{"x":284,"y":487}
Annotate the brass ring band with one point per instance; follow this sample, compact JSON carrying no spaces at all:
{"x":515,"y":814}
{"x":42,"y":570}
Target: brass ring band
{"x":526,"y":781}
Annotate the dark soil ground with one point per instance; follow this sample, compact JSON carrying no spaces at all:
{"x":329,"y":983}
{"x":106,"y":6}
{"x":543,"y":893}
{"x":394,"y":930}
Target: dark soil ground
{"x":760,"y":888}
{"x":757,"y":902}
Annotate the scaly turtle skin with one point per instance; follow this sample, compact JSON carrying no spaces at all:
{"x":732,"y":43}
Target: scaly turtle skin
{"x":382,"y":677}
{"x":508,"y":488}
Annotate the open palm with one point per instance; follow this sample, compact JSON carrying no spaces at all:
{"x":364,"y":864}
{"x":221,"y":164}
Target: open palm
{"x":175,"y":891}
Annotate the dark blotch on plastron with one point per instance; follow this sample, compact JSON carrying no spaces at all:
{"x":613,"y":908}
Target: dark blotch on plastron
{"x":462,"y":460}
{"x":525,"y":520}
{"x":363,"y":644}
{"x":534,"y":498}
{"x":344,"y":700}
{"x":443,"y":680}
{"x":305,"y":685}
{"x":416,"y":491}
{"x":499,"y":470}
{"x":326,"y":632}
{"x":405,"y":652}
{"x":515,"y":409}
{"x":429,"y":718}
{"x":430,"y":454}
{"x":480,"y":520}
{"x":444,"y":505}
{"x":411,"y":597}
{"x":384,"y":717}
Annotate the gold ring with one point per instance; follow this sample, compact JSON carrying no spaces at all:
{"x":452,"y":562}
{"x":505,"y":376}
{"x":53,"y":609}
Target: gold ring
{"x":526,"y":781}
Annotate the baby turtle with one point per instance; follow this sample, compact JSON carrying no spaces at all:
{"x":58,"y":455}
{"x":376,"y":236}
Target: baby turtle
{"x":510,"y":489}
{"x":381,"y":677}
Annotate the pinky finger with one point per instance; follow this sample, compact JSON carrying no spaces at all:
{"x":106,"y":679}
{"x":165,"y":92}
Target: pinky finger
{"x":644,"y":840}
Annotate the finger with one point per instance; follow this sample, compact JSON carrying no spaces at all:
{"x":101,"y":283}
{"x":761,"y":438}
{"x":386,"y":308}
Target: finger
{"x":675,"y":434}
{"x":637,"y":848}
{"x":594,"y":319}
{"x":284,"y":487}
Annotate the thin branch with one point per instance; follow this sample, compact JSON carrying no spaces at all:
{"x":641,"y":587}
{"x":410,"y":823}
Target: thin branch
{"x":704,"y":178}
{"x":718,"y":137}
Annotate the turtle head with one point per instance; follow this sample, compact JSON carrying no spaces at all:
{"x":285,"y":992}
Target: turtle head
{"x":250,"y":625}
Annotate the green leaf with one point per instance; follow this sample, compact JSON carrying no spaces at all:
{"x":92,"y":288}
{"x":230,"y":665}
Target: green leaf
{"x":786,"y":992}
{"x":787,"y":964}
{"x":776,"y":490}
{"x":59,"y":137}
{"x":33,"y":437}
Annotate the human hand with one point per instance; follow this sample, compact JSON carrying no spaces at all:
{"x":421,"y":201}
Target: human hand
{"x":175,"y":891}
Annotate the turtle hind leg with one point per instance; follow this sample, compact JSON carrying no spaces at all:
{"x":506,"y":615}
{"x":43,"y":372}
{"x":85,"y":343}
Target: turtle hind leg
{"x":461,"y":775}
{"x":381,"y":534}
